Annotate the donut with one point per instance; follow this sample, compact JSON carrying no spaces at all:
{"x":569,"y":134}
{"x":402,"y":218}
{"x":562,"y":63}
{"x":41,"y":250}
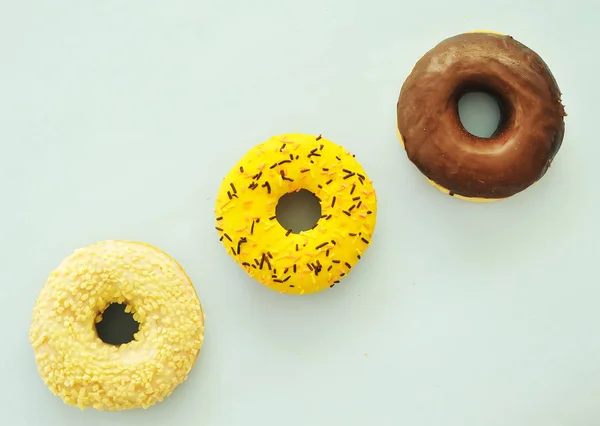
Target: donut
{"x":531,"y":128}
{"x":311,"y":260}
{"x":84,"y":371}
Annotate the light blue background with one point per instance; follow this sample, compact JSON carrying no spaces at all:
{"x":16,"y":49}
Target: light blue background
{"x":118,"y":119}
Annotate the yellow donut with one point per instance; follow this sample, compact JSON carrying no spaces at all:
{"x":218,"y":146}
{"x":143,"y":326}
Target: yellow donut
{"x":312,"y":260}
{"x":86,"y":372}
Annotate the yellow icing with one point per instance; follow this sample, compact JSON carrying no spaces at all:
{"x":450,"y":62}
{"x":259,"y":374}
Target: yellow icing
{"x":312,"y":260}
{"x":86,"y":372}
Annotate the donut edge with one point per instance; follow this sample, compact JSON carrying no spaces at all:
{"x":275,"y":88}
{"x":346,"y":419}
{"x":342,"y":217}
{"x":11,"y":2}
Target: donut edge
{"x":445,"y":190}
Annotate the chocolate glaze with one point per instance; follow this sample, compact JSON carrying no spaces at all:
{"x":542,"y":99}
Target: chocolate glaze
{"x":530,"y":133}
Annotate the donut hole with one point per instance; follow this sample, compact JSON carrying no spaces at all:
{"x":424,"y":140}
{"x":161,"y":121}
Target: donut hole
{"x":480,"y":113}
{"x":117,"y":327}
{"x":298,"y":211}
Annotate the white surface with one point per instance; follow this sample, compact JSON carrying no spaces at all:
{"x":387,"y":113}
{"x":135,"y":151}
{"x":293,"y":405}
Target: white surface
{"x":118,"y":119}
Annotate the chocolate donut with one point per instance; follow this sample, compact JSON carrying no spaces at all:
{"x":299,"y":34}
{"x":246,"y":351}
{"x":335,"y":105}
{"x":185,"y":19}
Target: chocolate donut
{"x":532,"y":116}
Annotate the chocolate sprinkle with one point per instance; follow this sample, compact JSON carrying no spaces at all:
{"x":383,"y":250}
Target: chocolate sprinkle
{"x":252,"y":229}
{"x":336,"y":261}
{"x":284,"y":177}
{"x":220,"y":218}
{"x":359,"y":203}
{"x":353,"y":188}
{"x":294,"y":268}
{"x":321,"y":245}
{"x":304,"y":170}
{"x":228,"y":237}
{"x":346,"y":212}
{"x":267,"y":260}
{"x":273,"y":166}
{"x":329,"y":181}
{"x":268,"y":186}
{"x":333,"y":201}
{"x":240,"y":242}
{"x":284,"y":161}
{"x":241,"y":169}
{"x":319,"y":137}
{"x":364,"y":240}
{"x":327,"y":253}
{"x":289,"y":231}
{"x":273,"y":217}
{"x":233,"y":188}
{"x":219,"y":229}
{"x":287,"y":278}
{"x":348,"y":265}
{"x":351,"y":207}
